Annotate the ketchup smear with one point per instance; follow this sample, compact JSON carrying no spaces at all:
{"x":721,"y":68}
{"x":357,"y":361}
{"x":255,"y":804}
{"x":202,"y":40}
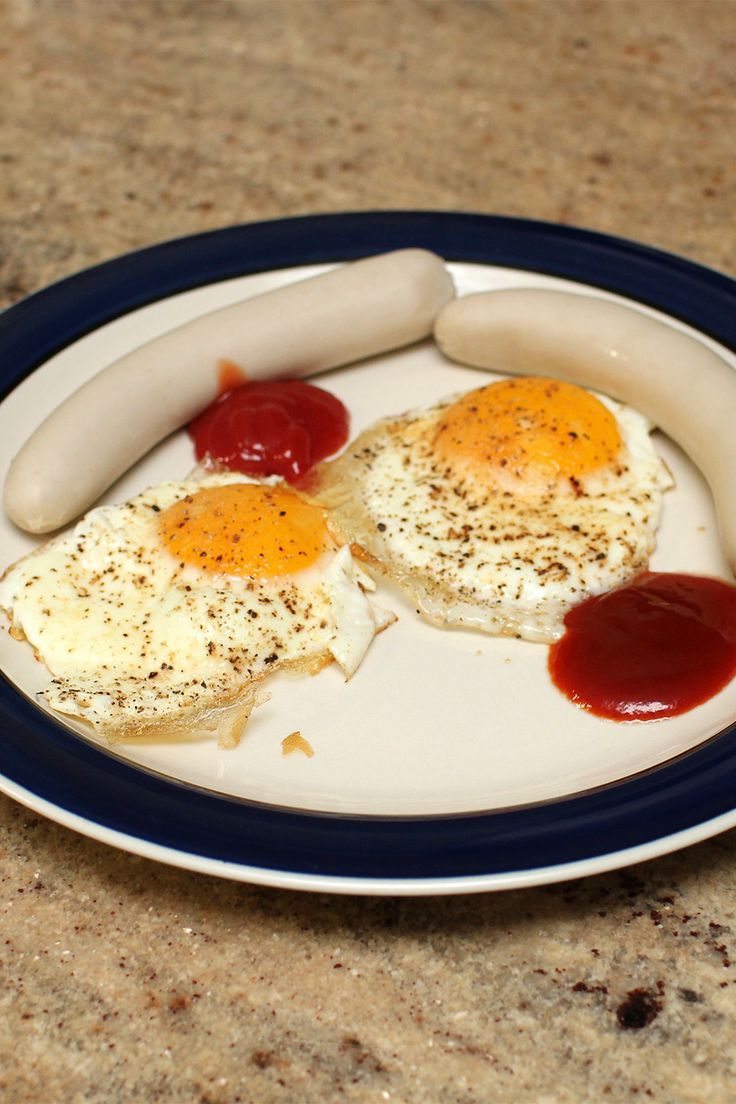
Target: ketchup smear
{"x":654,"y":647}
{"x":280,"y":427}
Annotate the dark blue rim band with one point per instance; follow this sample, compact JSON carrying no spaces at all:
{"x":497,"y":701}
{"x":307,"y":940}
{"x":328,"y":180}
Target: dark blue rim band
{"x":43,"y":757}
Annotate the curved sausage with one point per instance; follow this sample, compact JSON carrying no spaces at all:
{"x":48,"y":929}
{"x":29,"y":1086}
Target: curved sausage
{"x":347,"y":314}
{"x":681,"y":385}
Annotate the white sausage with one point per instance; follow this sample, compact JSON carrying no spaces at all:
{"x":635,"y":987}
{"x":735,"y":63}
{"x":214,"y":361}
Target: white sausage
{"x":681,"y":385}
{"x":346,"y":314}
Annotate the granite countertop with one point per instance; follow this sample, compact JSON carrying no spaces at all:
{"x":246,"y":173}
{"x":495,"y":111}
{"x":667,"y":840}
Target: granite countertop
{"x":128,"y":123}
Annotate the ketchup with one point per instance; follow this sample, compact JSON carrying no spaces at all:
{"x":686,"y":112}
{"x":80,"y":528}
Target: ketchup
{"x":654,"y":647}
{"x":279,"y":427}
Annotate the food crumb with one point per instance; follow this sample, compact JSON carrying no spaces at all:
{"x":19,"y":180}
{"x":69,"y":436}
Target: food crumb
{"x":296,"y":742}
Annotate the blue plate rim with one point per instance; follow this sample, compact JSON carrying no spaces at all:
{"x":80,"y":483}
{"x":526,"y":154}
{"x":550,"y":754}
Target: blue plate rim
{"x":75,"y":782}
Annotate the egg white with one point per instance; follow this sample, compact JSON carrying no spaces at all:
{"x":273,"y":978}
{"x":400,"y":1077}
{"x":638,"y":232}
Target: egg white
{"x":482,"y":559}
{"x":139,"y":643}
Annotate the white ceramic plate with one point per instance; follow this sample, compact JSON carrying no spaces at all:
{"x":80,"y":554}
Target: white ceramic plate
{"x":449,"y":762}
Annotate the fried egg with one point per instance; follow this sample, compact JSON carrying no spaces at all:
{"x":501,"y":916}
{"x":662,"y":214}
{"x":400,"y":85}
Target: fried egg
{"x":501,"y":508}
{"x":166,"y":613}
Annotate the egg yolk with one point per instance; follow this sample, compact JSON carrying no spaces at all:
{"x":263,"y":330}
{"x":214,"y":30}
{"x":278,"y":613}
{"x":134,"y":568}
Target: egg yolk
{"x":528,"y":434}
{"x":246,"y":529}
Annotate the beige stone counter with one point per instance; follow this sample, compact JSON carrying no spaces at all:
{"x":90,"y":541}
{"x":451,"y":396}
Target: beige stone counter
{"x":127,"y":123}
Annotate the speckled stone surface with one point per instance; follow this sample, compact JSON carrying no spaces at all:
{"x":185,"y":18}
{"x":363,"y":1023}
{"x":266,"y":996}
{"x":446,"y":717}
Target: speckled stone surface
{"x":127,"y":123}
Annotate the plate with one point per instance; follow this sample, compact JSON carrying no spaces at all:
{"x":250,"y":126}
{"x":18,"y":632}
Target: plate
{"x":449,"y":763}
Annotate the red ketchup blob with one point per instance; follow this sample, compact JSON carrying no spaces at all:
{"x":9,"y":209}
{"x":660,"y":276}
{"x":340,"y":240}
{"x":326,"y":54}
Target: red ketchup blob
{"x":654,"y":647}
{"x":279,"y":427}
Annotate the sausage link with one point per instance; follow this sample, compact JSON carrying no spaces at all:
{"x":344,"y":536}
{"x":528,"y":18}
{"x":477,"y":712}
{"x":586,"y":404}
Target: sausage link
{"x":679,"y":383}
{"x":347,"y":314}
